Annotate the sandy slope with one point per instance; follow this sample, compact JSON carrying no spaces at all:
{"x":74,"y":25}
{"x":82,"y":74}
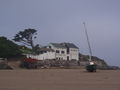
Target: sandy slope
{"x":59,"y":79}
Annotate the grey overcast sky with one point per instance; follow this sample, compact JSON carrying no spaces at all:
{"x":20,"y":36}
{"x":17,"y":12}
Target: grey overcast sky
{"x":62,"y":21}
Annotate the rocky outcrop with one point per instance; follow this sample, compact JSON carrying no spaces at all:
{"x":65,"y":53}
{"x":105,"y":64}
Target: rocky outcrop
{"x":4,"y":65}
{"x":84,"y":60}
{"x":101,"y":64}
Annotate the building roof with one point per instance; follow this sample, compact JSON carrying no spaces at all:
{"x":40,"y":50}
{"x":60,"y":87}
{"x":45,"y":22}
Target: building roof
{"x":64,"y":45}
{"x":58,"y":45}
{"x":70,"y":45}
{"x":46,"y":49}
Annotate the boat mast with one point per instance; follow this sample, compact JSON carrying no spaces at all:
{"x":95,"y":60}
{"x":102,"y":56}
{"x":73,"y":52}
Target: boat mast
{"x":90,"y":51}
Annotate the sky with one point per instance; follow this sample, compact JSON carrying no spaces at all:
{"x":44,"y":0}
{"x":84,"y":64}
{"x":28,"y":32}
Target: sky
{"x":62,"y":21}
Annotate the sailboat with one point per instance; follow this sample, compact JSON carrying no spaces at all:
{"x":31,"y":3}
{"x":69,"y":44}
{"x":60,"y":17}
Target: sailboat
{"x":91,"y":67}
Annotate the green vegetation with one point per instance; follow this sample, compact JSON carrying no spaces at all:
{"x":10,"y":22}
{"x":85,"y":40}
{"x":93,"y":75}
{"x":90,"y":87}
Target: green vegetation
{"x":8,"y":48}
{"x":25,"y":50}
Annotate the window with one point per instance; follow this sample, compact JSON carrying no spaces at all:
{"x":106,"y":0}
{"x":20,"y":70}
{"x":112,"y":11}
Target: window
{"x":49,"y":46}
{"x":57,"y":51}
{"x":68,"y":50}
{"x":62,"y":52}
{"x":45,"y":51}
{"x":58,"y":58}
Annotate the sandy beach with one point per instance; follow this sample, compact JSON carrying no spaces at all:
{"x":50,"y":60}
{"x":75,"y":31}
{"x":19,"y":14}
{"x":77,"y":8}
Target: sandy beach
{"x":59,"y":79}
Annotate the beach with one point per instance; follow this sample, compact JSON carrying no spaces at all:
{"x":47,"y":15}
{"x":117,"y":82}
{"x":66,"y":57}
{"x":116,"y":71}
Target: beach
{"x":59,"y":79}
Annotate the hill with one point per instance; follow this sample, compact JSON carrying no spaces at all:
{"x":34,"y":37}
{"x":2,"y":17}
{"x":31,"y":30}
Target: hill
{"x":101,"y":64}
{"x":8,"y":48}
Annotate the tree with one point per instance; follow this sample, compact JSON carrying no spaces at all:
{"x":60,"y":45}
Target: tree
{"x":8,"y":48}
{"x":26,"y":37}
{"x":36,"y":49}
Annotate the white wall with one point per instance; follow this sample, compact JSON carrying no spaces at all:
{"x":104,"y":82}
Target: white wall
{"x":74,"y":54}
{"x":47,"y":55}
{"x":60,"y":54}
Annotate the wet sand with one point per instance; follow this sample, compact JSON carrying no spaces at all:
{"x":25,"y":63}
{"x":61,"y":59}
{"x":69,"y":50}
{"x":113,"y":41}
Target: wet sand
{"x":59,"y":79}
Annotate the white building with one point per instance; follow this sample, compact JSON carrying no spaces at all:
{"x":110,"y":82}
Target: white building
{"x":60,"y":51}
{"x":44,"y":54}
